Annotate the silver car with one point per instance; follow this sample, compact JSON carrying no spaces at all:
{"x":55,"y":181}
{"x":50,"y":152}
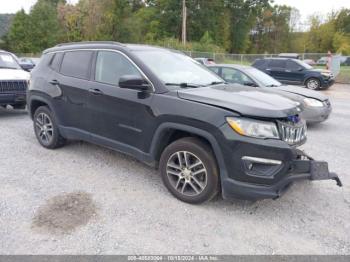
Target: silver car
{"x":317,"y":106}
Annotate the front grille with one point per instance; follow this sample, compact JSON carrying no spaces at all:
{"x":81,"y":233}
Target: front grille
{"x":292,"y":133}
{"x":13,"y":86}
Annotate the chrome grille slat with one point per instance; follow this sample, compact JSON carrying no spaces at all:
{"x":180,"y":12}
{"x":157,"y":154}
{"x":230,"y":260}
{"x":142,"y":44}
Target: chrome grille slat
{"x":292,"y":133}
{"x":10,"y":86}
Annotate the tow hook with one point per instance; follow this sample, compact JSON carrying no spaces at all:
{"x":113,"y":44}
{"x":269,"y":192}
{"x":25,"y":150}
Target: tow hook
{"x":337,"y":179}
{"x":319,"y":171}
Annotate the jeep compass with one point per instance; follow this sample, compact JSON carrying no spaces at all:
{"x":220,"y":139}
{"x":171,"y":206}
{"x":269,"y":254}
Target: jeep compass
{"x":163,"y":108}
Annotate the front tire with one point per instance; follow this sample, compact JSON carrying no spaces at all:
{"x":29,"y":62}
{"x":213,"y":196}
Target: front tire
{"x":46,"y":129}
{"x":189,"y":171}
{"x":313,"y":84}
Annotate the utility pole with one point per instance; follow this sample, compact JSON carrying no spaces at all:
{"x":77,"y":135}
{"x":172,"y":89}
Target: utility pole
{"x":184,"y":18}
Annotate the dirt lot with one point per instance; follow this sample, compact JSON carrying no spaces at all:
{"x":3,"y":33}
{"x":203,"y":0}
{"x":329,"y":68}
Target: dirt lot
{"x":84,"y":199}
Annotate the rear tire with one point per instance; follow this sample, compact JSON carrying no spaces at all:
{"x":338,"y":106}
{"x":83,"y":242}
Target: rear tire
{"x":46,"y":129}
{"x":189,"y":171}
{"x":313,"y":83}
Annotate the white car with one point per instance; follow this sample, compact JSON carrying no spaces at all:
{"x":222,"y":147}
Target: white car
{"x":13,"y":82}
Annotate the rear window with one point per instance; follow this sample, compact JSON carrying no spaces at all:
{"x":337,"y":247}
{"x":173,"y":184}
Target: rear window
{"x":278,"y":63}
{"x":259,"y":63}
{"x":56,"y":61}
{"x":77,"y":64}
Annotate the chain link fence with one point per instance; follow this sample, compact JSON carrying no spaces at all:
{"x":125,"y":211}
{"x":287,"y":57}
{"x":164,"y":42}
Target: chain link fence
{"x":317,"y":60}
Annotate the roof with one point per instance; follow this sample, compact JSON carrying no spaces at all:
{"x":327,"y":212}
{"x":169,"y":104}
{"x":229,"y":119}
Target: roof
{"x":278,"y":58}
{"x":236,"y":66}
{"x":100,"y":44}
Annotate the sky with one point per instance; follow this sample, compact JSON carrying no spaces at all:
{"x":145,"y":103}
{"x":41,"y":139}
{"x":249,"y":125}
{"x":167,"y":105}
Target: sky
{"x":306,"y":7}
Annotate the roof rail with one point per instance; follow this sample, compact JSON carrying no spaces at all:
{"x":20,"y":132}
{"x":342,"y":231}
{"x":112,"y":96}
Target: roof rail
{"x":89,"y":42}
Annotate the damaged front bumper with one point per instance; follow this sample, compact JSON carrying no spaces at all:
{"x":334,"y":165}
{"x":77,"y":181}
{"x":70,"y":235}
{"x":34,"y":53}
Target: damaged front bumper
{"x":303,"y":167}
{"x":317,"y":170}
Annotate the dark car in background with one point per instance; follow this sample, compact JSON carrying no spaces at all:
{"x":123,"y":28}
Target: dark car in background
{"x":205,"y":61}
{"x":165,"y":109}
{"x":346,"y":61}
{"x":27,"y":63}
{"x":317,"y":106}
{"x":295,"y":72}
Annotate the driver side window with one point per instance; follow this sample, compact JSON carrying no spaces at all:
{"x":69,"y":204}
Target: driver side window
{"x":293,"y":66}
{"x":110,"y":66}
{"x":234,"y":76}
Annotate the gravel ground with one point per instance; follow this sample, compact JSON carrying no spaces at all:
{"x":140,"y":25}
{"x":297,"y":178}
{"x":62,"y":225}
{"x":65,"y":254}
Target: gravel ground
{"x":113,"y":204}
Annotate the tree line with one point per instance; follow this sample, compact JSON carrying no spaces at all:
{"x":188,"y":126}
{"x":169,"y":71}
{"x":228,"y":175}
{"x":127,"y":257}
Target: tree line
{"x":234,"y":26}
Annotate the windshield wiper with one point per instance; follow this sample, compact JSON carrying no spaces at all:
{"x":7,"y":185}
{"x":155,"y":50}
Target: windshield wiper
{"x":8,"y":67}
{"x":272,"y":85}
{"x":216,"y":83}
{"x":183,"y":85}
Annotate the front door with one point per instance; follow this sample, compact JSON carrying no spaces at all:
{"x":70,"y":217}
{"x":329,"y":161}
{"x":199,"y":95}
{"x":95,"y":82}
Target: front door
{"x":277,"y":69}
{"x":116,"y":114}
{"x":295,"y":72}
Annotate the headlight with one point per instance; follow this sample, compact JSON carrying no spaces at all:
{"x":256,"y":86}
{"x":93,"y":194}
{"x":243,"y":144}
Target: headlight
{"x":253,"y":128}
{"x":313,"y":102}
{"x":325,"y":74}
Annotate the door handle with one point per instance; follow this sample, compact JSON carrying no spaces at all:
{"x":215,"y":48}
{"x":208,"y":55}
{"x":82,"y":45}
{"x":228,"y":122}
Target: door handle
{"x":54,"y":82}
{"x":95,"y":91}
{"x":288,"y":71}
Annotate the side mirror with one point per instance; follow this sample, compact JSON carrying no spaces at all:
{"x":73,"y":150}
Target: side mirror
{"x":26,"y":66}
{"x":134,"y":82}
{"x":300,"y":69}
{"x":249,"y":83}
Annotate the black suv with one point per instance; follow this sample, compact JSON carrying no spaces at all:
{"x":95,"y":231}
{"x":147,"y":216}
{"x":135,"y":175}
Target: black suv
{"x":167,"y":110}
{"x":295,"y":72}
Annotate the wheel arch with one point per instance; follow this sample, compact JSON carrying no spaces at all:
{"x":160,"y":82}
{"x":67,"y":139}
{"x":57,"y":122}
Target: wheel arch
{"x":170,"y":132}
{"x":35,"y":102}
{"x":312,"y":77}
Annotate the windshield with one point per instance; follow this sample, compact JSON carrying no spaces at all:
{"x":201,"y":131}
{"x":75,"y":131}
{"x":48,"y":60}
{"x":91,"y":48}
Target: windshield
{"x":7,"y":61}
{"x":176,"y":69}
{"x":263,"y":78}
{"x":303,"y":64}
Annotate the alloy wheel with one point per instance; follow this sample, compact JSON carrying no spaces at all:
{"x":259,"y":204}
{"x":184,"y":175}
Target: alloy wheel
{"x":313,"y":84}
{"x":186,"y":173}
{"x":44,"y":128}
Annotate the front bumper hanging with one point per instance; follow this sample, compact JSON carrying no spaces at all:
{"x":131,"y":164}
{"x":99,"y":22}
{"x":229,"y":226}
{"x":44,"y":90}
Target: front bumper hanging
{"x":318,"y":170}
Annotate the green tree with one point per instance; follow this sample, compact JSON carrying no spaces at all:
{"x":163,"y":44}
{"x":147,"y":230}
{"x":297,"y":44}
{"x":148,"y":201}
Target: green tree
{"x":18,"y":37}
{"x":242,"y":16}
{"x":45,"y":30}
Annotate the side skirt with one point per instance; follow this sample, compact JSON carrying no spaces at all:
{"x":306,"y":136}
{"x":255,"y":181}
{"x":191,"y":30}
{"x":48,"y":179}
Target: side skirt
{"x":78,"y":134}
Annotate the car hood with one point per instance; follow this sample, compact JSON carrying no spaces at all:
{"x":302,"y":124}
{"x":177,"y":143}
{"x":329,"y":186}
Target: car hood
{"x":321,"y":70}
{"x":302,"y":92}
{"x":13,"y":74}
{"x":244,"y":100}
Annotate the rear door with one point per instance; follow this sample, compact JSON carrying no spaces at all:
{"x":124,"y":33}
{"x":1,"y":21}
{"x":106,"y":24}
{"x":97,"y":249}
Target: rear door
{"x":116,"y":114}
{"x":277,"y":69}
{"x":73,"y":81}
